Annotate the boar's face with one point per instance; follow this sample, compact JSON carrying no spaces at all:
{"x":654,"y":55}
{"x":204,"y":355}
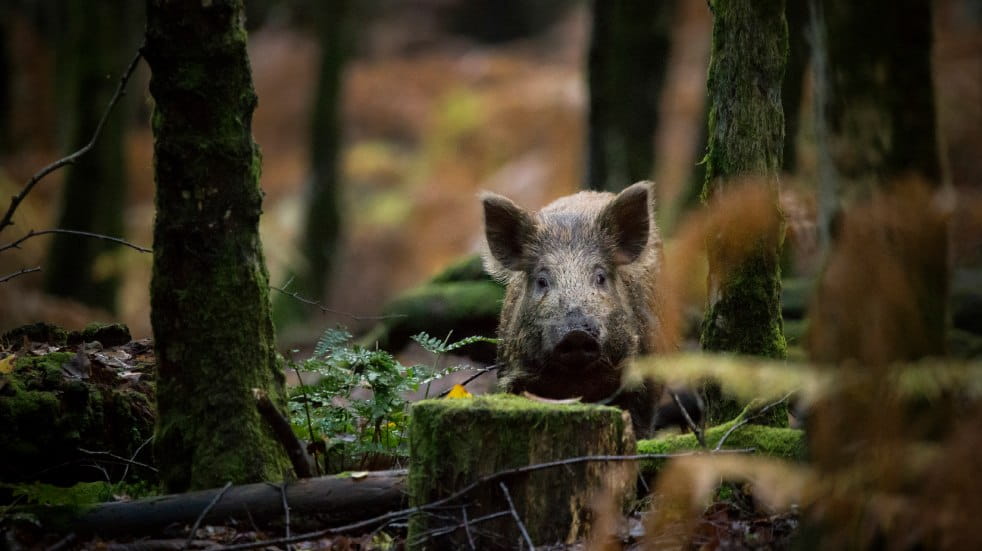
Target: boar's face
{"x":567,"y":322}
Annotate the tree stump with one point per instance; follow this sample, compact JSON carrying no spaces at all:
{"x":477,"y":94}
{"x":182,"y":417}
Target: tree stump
{"x":454,"y":443}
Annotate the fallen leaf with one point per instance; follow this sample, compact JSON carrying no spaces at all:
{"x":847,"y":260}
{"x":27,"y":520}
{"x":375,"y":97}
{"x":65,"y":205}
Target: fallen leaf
{"x":7,"y":364}
{"x":458,"y":391}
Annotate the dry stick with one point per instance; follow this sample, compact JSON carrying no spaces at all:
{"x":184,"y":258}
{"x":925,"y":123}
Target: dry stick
{"x":283,"y":432}
{"x":63,"y":542}
{"x":480,"y":372}
{"x":692,"y":424}
{"x":323,"y":308}
{"x":8,"y":277}
{"x":467,"y":489}
{"x":745,"y":421}
{"x":467,"y":528}
{"x":133,"y":458}
{"x":125,"y":461}
{"x":33,"y":233}
{"x":514,"y":514}
{"x":197,"y":522}
{"x":310,"y":425}
{"x":444,"y":530}
{"x":120,"y":90}
{"x":286,"y":513}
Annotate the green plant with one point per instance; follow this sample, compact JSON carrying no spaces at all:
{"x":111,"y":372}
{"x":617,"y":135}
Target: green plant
{"x":358,"y":406}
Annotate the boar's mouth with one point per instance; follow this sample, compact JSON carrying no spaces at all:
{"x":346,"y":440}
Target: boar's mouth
{"x":578,"y":350}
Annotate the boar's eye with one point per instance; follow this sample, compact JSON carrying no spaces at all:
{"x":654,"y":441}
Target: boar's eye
{"x":541,"y":282}
{"x":600,"y":278}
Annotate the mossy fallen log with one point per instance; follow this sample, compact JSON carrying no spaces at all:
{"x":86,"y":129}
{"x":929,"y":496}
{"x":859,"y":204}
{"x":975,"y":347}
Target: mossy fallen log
{"x":462,"y":299}
{"x":456,"y":442}
{"x":779,"y":442}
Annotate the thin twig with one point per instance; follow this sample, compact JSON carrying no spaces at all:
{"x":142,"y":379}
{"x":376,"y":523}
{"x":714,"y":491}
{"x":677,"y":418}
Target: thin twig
{"x":197,"y":522}
{"x":747,"y":420}
{"x":310,"y":425}
{"x":467,"y":489}
{"x":295,"y":296}
{"x":63,"y":542}
{"x":518,"y":519}
{"x":8,"y":277}
{"x":70,"y":159}
{"x":480,"y":372}
{"x":688,"y":419}
{"x":286,"y":513}
{"x":467,"y":527}
{"x":444,"y":530}
{"x":120,"y":458}
{"x":34,"y":233}
{"x":133,"y":457}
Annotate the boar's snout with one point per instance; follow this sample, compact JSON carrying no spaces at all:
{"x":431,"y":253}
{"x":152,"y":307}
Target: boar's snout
{"x":578,"y":345}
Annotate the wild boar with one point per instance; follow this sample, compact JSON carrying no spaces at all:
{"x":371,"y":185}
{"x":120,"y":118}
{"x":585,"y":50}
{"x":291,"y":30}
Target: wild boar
{"x":580,"y":296}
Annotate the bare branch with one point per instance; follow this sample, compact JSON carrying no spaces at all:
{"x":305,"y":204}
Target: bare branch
{"x":204,"y":513}
{"x":747,"y":420}
{"x":294,"y":295}
{"x":688,"y":419}
{"x":387,"y":517}
{"x":518,"y":519}
{"x":34,"y":233}
{"x":125,"y":461}
{"x":8,"y":277}
{"x":70,"y":159}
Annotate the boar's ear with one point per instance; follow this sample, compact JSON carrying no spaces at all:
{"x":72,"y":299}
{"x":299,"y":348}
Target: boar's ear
{"x":627,"y":219}
{"x":508,"y":229}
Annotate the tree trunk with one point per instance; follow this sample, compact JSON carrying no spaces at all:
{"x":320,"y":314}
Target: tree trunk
{"x":209,"y":293}
{"x":628,"y":57}
{"x":746,"y":132}
{"x":320,"y":237}
{"x":797,"y":17}
{"x":880,"y":120}
{"x":91,"y":47}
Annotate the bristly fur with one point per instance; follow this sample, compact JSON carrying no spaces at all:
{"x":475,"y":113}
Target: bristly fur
{"x":570,"y":240}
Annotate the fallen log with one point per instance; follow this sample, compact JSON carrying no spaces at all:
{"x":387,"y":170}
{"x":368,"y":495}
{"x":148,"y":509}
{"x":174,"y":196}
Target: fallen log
{"x":334,"y":500}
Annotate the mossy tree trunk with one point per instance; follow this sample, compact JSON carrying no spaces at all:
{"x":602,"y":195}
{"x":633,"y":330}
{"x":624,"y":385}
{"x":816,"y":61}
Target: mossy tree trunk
{"x":746,"y":141}
{"x":91,"y":46}
{"x":629,"y":47}
{"x":322,"y":225}
{"x":209,"y":293}
{"x":881,"y":124}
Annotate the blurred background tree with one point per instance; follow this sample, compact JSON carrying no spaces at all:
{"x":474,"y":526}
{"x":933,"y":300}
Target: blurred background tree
{"x":94,"y":40}
{"x":627,"y":62}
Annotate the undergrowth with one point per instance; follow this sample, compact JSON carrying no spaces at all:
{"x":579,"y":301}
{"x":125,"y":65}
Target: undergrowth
{"x":355,"y":412}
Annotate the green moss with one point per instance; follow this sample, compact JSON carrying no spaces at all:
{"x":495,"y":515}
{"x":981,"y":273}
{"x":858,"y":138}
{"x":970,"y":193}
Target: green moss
{"x":773,"y":441}
{"x":35,"y":332}
{"x":467,"y":268}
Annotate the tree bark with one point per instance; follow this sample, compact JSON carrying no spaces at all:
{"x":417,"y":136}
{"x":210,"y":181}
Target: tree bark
{"x":629,"y":49}
{"x":90,"y":47}
{"x":746,"y":140}
{"x":210,"y":306}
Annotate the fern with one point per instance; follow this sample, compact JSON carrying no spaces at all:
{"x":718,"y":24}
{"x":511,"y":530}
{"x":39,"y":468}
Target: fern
{"x":443,"y":346}
{"x":331,"y":340}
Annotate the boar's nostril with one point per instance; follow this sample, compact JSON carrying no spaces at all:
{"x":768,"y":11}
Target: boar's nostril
{"x":577,"y":349}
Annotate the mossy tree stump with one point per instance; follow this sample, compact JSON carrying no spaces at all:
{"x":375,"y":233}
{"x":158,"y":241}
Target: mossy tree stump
{"x":454,"y":443}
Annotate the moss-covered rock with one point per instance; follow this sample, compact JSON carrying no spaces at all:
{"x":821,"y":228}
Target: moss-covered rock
{"x":465,"y":307}
{"x":34,"y":332}
{"x":455,"y":442}
{"x":107,"y":334}
{"x":51,"y":409}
